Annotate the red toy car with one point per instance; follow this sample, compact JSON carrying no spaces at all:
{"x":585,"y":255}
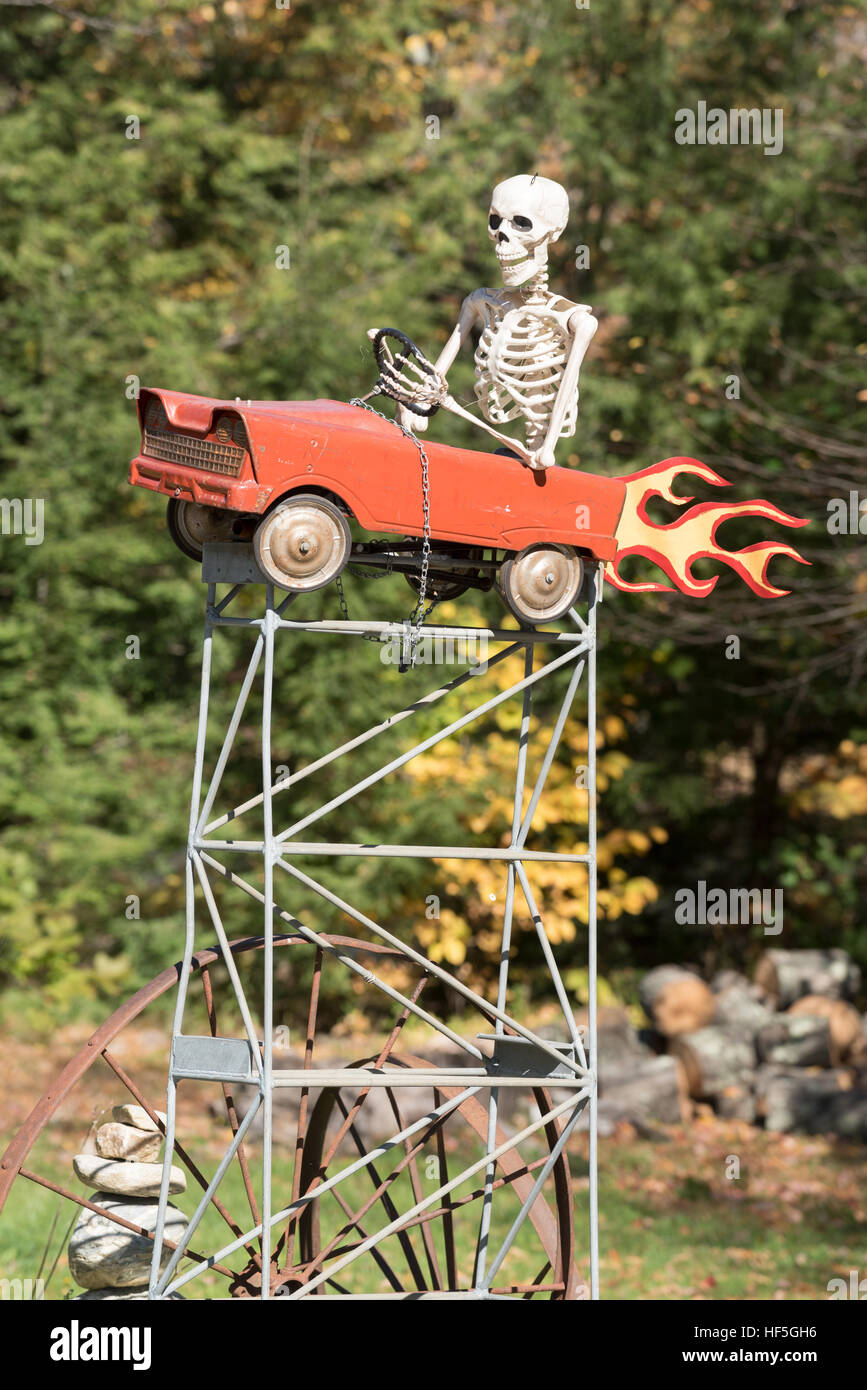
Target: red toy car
{"x":289,"y":475}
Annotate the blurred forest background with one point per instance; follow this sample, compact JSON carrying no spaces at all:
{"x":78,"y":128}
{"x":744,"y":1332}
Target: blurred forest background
{"x":156,"y":257}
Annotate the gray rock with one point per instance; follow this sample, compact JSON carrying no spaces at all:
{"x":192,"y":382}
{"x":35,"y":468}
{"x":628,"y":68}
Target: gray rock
{"x":787,"y":975}
{"x":644,"y":1089}
{"x":105,"y":1255}
{"x":826,"y":1102}
{"x":739,"y":1003}
{"x":795,"y":1040}
{"x":618,"y":1043}
{"x":136,"y":1116}
{"x":736,"y":1102}
{"x":130,"y":1178}
{"x":125,"y":1141}
{"x":724,"y":979}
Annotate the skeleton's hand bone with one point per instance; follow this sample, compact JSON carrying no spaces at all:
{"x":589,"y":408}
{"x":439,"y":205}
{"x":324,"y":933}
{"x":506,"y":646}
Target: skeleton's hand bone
{"x":408,"y":421}
{"x":402,"y":375}
{"x":427,"y":388}
{"x":542,"y":459}
{"x":416,"y":386}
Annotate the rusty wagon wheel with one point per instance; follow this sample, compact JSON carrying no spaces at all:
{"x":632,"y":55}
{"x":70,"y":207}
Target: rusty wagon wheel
{"x":430,"y":1253}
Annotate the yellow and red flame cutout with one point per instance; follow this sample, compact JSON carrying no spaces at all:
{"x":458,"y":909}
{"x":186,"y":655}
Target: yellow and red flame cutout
{"x":674,"y":547}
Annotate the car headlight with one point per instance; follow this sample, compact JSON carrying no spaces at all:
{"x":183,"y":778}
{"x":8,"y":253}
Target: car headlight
{"x":155,"y":415}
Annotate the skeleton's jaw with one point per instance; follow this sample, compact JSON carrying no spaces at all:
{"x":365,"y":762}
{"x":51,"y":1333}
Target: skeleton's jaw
{"x":516,"y":270}
{"x":518,"y":266}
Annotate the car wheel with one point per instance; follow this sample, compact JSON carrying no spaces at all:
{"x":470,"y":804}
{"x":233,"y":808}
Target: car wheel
{"x":444,"y":589}
{"x":303,"y":543}
{"x":192,"y":525}
{"x":542,"y":582}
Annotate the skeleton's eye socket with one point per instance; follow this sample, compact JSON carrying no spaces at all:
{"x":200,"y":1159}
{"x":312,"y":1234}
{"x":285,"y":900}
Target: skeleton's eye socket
{"x":494,"y":221}
{"x":524,"y":224}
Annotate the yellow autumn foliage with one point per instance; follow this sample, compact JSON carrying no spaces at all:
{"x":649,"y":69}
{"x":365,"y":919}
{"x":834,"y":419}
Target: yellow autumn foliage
{"x":835,"y":784}
{"x":482,"y":764}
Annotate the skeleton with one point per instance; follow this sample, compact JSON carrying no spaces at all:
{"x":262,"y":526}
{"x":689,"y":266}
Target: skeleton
{"x":532,"y":341}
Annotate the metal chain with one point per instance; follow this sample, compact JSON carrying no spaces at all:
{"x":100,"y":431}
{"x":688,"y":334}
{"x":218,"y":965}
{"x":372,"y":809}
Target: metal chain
{"x":361,"y":573}
{"x":419,"y":615}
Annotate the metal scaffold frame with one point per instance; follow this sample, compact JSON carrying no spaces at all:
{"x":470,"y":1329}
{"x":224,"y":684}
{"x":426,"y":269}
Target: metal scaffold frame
{"x":519,"y":1056}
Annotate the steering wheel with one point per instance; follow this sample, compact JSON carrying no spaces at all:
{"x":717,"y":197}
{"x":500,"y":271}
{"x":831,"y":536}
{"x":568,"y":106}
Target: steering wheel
{"x":406,"y":375}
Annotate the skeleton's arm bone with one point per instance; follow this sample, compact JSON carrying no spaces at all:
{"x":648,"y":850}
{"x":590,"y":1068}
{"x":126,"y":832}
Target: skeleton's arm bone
{"x":455,"y":342}
{"x":583,"y":325}
{"x":459,"y":335}
{"x":449,"y":403}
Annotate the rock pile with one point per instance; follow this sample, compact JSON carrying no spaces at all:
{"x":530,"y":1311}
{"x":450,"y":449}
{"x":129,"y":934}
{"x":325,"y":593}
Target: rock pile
{"x":788,"y":1048}
{"x":121,"y":1164}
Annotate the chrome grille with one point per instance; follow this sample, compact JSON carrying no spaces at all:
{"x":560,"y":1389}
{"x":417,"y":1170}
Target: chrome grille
{"x":192,"y":452}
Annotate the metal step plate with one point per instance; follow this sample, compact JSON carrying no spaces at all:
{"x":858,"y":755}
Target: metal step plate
{"x":230,"y":562}
{"x":518,"y":1057}
{"x":213,"y":1059}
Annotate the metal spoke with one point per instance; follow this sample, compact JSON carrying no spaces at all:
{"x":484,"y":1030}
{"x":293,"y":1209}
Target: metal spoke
{"x":452,"y":1205}
{"x":537,"y":1188}
{"x":380,"y":1061}
{"x":117,"y":1220}
{"x":231,"y":1112}
{"x":378,"y":1256}
{"x":381,"y":1194}
{"x":415,"y":1182}
{"x":448,"y":1214}
{"x":435,"y":1196}
{"x":424,"y":1219}
{"x":301,"y":1132}
{"x":449,"y":1105}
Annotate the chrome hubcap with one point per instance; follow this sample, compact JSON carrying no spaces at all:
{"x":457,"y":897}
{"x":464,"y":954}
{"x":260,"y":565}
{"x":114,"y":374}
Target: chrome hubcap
{"x":303,"y":545}
{"x":543,"y":581}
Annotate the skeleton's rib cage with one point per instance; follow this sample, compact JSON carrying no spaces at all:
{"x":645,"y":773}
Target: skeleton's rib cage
{"x":520,"y":360}
{"x":512,"y":1057}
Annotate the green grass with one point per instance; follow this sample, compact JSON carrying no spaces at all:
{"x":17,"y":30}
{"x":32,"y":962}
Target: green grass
{"x":673,"y":1225}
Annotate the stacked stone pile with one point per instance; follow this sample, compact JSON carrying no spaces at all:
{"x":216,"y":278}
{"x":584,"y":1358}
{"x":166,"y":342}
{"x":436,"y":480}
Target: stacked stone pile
{"x":121,"y":1164}
{"x":788,"y":1048}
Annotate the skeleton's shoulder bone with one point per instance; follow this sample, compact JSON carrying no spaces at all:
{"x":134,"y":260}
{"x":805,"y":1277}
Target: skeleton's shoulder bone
{"x":580,"y":322}
{"x":487,"y":295}
{"x":475,"y":305}
{"x":566,"y":310}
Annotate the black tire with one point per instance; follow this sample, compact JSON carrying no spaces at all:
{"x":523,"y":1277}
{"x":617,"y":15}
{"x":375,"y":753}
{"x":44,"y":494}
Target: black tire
{"x":191,"y":525}
{"x":444,"y":589}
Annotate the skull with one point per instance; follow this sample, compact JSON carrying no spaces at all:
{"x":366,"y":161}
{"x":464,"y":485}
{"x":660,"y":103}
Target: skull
{"x":527,"y":214}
